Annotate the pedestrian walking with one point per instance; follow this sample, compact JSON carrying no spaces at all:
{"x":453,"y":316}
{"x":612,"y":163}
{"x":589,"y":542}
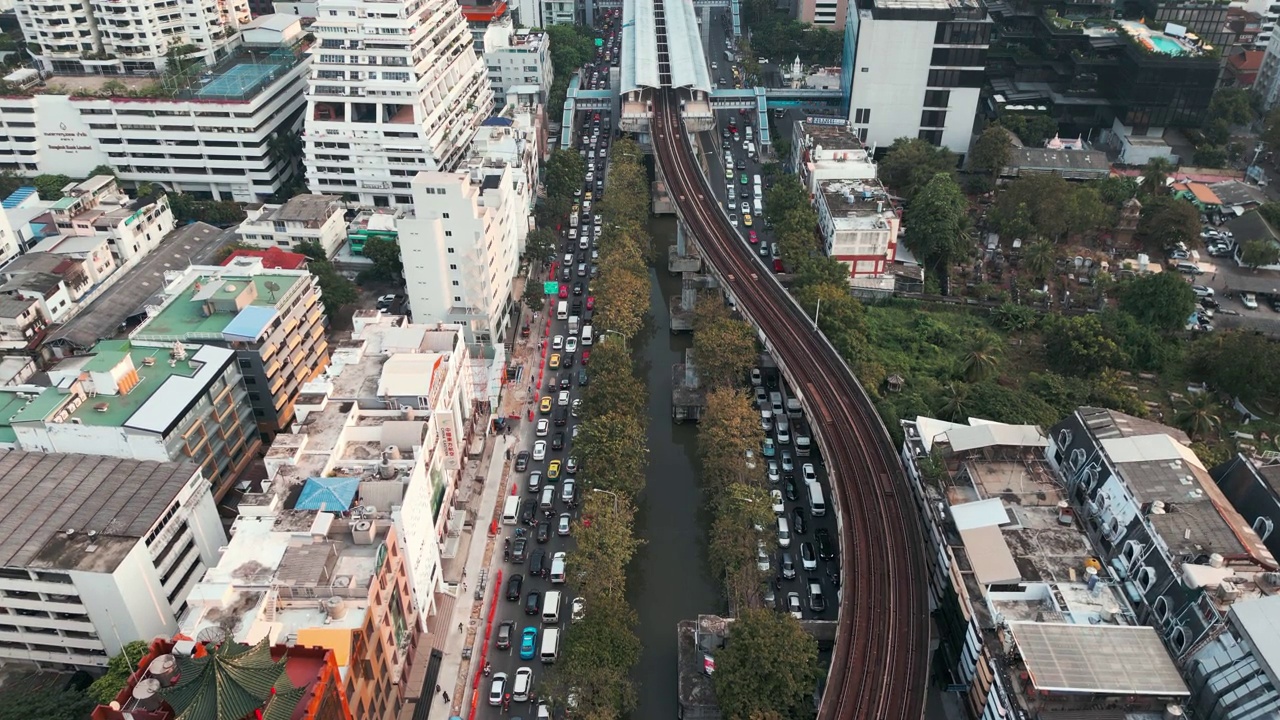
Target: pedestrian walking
{"x":446,"y":696}
{"x":464,"y":586}
{"x":459,"y":627}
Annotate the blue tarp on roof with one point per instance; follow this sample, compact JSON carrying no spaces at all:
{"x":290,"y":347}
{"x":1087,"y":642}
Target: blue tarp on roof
{"x":17,"y":196}
{"x":249,"y":323}
{"x":497,"y":121}
{"x":333,"y":494}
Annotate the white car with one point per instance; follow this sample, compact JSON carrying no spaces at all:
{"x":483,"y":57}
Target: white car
{"x":1202,"y":290}
{"x":808,"y":472}
{"x":762,"y":557}
{"x":579,"y":609}
{"x":571,"y":344}
{"x":746,"y":208}
{"x":1249,"y":300}
{"x":497,"y":689}
{"x":543,"y":427}
{"x":793,"y":605}
{"x":540,"y":450}
{"x":557,"y":342}
{"x":773,"y":470}
{"x":523,"y":682}
{"x":563,"y":398}
{"x":778,"y":507}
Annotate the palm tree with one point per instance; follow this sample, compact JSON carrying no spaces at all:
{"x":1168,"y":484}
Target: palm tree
{"x":1154,"y":176}
{"x":1198,"y":415}
{"x":954,"y":403}
{"x":981,"y":362}
{"x":1041,"y":259}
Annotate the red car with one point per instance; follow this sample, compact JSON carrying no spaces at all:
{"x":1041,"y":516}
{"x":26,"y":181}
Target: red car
{"x":591,"y":302}
{"x":564,"y":291}
{"x":752,"y":237}
{"x":777,"y":265}
{"x":586,"y":356}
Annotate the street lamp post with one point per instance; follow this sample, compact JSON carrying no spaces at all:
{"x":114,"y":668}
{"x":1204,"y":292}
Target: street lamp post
{"x":612,"y":494}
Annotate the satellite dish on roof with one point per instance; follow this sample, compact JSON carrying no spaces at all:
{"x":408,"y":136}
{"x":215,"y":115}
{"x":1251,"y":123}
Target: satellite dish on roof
{"x":273,"y":287}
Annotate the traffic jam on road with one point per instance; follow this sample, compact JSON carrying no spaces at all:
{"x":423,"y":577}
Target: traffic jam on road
{"x":806,"y":567}
{"x":538,"y":520}
{"x":744,"y":187}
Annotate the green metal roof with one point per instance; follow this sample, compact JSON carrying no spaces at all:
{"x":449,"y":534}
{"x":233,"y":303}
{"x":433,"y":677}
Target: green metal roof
{"x":230,"y":683}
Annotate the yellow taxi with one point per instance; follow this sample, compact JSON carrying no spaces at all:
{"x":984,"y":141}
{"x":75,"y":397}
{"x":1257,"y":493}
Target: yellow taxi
{"x":554,"y":362}
{"x":553,"y":470}
{"x":586,"y":195}
{"x":545,"y":406}
{"x":746,"y":220}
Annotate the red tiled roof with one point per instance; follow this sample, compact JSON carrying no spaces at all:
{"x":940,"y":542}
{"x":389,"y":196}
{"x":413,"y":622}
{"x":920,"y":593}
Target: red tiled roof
{"x":272,"y":258}
{"x":1247,"y":61}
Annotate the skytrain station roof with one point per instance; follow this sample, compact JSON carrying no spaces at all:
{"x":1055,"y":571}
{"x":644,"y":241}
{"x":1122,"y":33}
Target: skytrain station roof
{"x":640,"y":46}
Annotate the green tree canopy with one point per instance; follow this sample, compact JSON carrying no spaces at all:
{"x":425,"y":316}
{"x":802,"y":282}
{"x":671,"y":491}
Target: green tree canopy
{"x":1259,"y":252}
{"x":336,"y":290}
{"x":1047,"y":206}
{"x":1033,"y":130}
{"x":1161,"y":300}
{"x":991,"y":151}
{"x":25,"y":703}
{"x":724,"y":347}
{"x":563,"y":173}
{"x":912,"y":163}
{"x":119,"y":668}
{"x":1167,"y":221}
{"x":937,"y":222}
{"x":1243,"y":364}
{"x":1231,"y":105}
{"x":1155,"y":176}
{"x":769,"y":667}
{"x":385,"y":255}
{"x":1079,"y":345}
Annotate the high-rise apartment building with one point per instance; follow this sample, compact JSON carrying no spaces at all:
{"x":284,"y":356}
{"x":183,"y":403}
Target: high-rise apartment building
{"x":395,"y":89}
{"x":915,"y":69}
{"x":273,"y":319}
{"x":517,"y":59}
{"x":108,"y":552}
{"x":461,"y":247}
{"x":125,"y":38}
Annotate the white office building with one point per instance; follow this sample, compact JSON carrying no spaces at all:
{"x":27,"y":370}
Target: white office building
{"x":107,"y":554}
{"x":395,"y":89}
{"x":121,"y":39}
{"x":460,"y":249}
{"x":517,"y":59}
{"x":915,"y":68}
{"x":211,"y":132}
{"x":859,"y":225}
{"x":303,"y":218}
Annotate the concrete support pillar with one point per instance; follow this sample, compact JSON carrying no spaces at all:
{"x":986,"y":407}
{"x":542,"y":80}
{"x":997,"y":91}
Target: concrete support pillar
{"x":682,"y":248}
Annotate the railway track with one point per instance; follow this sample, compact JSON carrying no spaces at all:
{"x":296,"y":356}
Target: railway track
{"x":879,"y":667}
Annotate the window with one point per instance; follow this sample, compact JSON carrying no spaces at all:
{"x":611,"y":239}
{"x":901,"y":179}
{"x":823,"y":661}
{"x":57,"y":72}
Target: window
{"x":457,"y":298}
{"x":450,"y":250}
{"x":448,"y":233}
{"x":455,"y":283}
{"x":933,"y":136}
{"x":444,"y":215}
{"x":962,"y":33}
{"x":936,"y":98}
{"x":862,"y":116}
{"x":453,"y":267}
{"x":955,"y":78}
{"x":933,"y":118}
{"x":959,"y":57}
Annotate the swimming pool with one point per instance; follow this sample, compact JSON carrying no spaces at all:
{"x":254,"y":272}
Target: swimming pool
{"x":1165,"y":45}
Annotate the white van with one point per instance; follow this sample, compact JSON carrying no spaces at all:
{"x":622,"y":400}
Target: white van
{"x":550,"y":645}
{"x":551,"y":607}
{"x":817,"y":506}
{"x":749,"y":136}
{"x":562,"y":310}
{"x":759,"y":207}
{"x":511,"y":510}
{"x":548,"y":497}
{"x":757,"y":181}
{"x":557,"y":568}
{"x":587,"y":334}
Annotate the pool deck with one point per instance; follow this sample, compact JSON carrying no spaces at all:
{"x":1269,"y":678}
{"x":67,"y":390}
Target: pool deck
{"x":1159,"y":42}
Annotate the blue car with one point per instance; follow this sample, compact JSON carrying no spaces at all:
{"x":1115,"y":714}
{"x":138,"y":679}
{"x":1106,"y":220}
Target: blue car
{"x":769,"y":448}
{"x":528,"y":639}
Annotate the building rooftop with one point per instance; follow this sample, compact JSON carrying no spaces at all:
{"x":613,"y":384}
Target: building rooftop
{"x":1200,"y":191}
{"x":1100,"y":659}
{"x":164,"y":391}
{"x":242,"y":307}
{"x":1157,"y":464}
{"x":1070,"y":164}
{"x":1162,"y":43}
{"x":241,"y":76}
{"x":273,"y":258}
{"x":196,"y":244}
{"x":861,"y":203}
{"x":830,"y":136}
{"x":310,"y":209}
{"x":81,"y":512}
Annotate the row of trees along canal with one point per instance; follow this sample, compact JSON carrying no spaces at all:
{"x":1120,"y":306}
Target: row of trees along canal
{"x":769,"y":666}
{"x":600,"y":650}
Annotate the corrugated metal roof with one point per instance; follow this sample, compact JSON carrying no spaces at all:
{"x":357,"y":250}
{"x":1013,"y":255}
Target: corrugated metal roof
{"x":684,"y":42}
{"x":639,"y":46}
{"x":1120,"y":660}
{"x":1260,"y":620}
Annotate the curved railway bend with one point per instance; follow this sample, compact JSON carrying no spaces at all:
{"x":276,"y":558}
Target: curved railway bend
{"x":879,"y":666}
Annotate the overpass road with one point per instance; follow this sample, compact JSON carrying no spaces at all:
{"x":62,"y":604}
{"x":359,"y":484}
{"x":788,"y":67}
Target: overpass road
{"x":879,"y":666}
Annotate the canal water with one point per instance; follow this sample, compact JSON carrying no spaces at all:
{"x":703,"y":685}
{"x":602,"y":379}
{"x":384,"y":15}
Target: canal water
{"x":669,"y":578}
